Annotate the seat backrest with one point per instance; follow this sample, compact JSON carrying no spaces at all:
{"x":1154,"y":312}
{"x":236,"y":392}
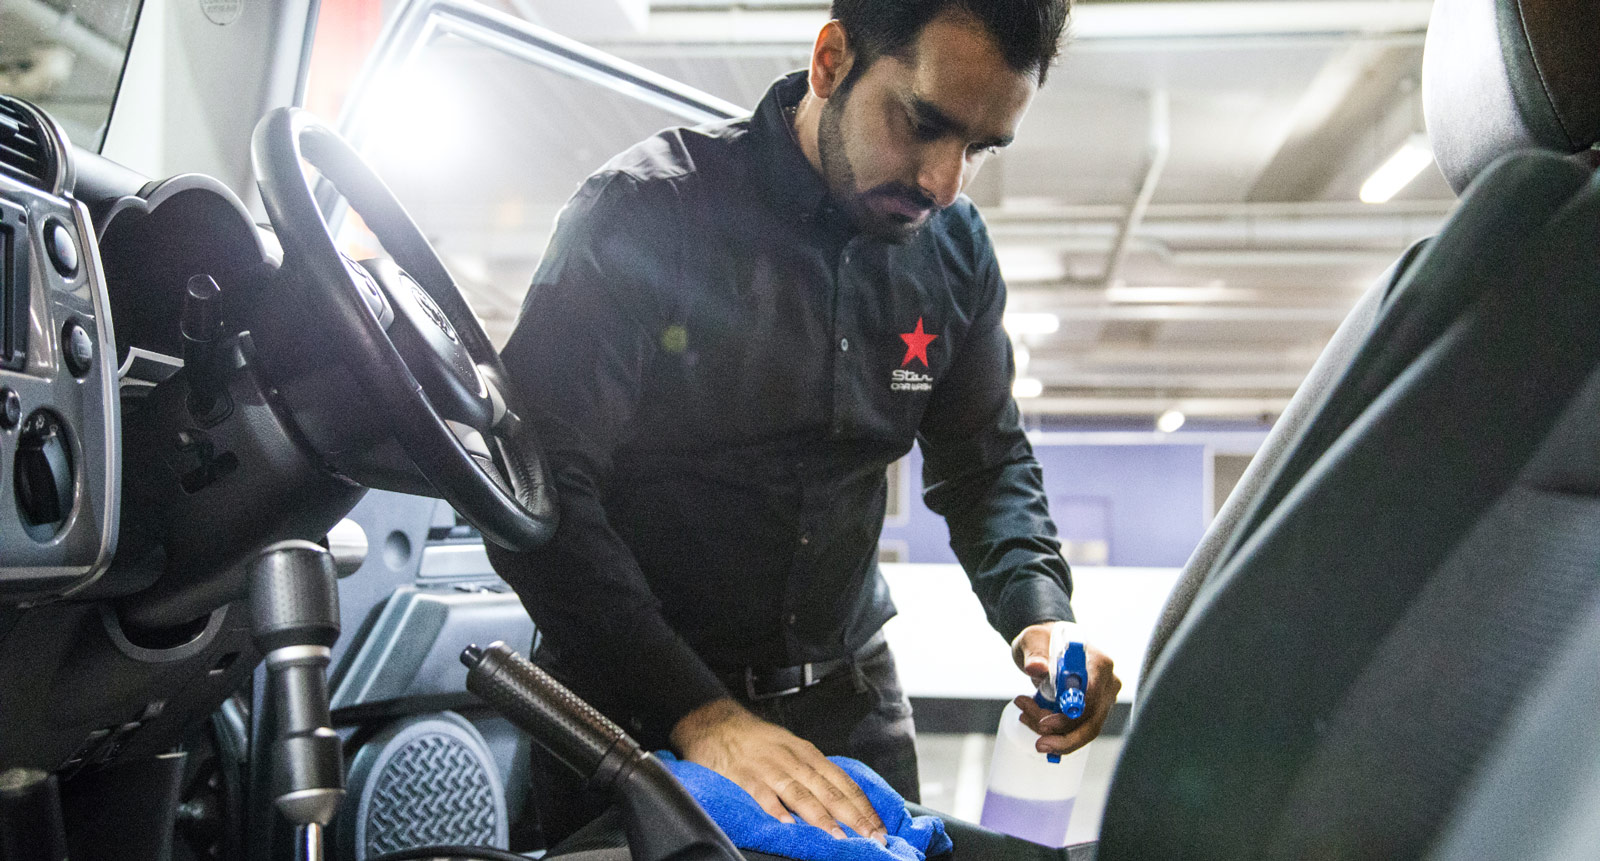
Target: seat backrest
{"x":1417,"y":558}
{"x":1252,"y":484}
{"x":1537,"y":792}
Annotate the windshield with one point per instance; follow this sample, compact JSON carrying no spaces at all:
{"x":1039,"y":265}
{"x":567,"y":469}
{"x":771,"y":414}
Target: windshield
{"x":66,"y":56}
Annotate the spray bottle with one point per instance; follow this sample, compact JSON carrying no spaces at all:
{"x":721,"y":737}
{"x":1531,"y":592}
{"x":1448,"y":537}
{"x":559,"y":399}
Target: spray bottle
{"x":1031,"y":794}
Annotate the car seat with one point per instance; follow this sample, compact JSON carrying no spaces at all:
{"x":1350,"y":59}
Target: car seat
{"x":1417,"y":562}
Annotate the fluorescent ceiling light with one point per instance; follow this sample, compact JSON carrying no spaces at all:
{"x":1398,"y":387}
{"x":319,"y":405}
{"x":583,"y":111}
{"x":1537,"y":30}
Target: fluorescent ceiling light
{"x":1170,"y":421}
{"x":1019,"y":323}
{"x":1398,"y":171}
{"x":1023,"y":357}
{"x":1027,"y":387}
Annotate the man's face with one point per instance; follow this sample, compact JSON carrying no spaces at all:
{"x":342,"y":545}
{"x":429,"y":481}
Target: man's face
{"x":907,"y":135}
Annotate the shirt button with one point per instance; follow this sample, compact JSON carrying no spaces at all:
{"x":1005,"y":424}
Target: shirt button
{"x":844,"y":345}
{"x":792,"y":619}
{"x":805,"y":539}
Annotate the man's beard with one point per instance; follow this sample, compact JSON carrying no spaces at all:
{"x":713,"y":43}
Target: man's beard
{"x":841,"y":179}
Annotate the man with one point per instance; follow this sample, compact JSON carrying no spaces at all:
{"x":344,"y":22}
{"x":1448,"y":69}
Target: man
{"x":735,"y":330}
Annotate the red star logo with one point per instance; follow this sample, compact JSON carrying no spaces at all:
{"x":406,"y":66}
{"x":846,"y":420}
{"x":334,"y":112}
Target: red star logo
{"x":917,"y":345}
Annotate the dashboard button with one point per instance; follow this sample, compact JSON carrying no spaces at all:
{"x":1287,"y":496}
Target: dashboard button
{"x":78,"y":347}
{"x":10,"y":410}
{"x":61,"y":247}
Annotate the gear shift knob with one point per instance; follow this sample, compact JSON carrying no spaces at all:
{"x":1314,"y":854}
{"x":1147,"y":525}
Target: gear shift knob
{"x":294,"y":597}
{"x":294,"y":613}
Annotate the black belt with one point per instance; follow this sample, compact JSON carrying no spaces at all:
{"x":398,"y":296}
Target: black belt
{"x":766,"y":683}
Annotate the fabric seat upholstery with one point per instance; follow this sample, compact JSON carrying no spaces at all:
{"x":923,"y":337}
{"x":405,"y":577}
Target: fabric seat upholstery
{"x":1278,"y":720}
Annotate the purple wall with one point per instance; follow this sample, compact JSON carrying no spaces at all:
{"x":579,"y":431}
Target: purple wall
{"x":1148,"y":502}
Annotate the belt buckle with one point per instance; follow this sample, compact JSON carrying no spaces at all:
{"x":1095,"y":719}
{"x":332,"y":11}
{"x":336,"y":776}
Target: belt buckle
{"x":806,"y":681}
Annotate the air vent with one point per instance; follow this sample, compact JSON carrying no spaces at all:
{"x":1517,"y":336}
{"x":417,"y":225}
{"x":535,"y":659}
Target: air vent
{"x":25,"y":154}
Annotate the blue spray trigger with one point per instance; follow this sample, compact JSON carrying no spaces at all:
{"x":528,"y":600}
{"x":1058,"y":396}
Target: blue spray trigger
{"x":1072,"y":674}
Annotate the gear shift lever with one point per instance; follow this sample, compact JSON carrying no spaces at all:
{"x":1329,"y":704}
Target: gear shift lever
{"x":294,"y":612}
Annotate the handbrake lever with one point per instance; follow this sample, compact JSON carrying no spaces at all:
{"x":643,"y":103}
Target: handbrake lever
{"x":662,"y":820}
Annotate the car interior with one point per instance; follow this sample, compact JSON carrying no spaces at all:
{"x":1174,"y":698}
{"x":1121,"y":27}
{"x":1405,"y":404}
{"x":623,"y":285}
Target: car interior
{"x":1385,"y":646}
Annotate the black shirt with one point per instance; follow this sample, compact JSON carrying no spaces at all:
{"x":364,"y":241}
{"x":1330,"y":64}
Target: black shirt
{"x":721,"y":370}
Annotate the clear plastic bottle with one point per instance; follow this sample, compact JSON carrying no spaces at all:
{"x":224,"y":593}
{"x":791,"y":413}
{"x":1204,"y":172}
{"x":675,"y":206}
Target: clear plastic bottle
{"x":1030,"y":796}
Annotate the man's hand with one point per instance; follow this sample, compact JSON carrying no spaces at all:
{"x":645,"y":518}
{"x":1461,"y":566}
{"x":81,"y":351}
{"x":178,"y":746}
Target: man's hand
{"x":1057,"y":734}
{"x":782,"y":771}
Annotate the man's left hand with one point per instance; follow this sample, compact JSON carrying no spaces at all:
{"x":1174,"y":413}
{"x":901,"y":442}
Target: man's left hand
{"x":1058,"y":734}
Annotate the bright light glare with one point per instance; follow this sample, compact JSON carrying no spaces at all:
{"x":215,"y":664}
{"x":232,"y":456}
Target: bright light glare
{"x":1398,"y":171}
{"x":1027,"y":387}
{"x":1023,"y":357}
{"x":1170,"y":421}
{"x":417,"y":120}
{"x":1031,"y":323}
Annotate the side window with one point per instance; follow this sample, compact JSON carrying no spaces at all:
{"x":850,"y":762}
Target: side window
{"x":484,"y":125}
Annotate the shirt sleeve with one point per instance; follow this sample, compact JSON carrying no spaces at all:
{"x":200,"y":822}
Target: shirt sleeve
{"x":980,"y":474}
{"x":578,"y":354}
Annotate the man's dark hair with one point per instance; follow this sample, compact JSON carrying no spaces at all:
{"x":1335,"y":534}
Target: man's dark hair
{"x":1028,"y":32}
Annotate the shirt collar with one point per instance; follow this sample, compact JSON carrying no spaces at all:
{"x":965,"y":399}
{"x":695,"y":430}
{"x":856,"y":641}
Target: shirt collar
{"x":794,"y":185}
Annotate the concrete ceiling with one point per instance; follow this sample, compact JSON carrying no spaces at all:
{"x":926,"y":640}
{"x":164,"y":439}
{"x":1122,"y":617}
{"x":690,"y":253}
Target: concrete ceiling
{"x":1261,"y":119}
{"x":67,"y":57}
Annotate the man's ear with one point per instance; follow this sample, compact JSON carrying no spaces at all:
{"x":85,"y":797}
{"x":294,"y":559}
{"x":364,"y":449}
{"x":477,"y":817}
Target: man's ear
{"x":831,"y":59}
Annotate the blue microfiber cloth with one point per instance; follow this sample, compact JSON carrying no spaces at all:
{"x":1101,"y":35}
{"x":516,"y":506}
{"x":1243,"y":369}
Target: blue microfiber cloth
{"x":911,"y":838}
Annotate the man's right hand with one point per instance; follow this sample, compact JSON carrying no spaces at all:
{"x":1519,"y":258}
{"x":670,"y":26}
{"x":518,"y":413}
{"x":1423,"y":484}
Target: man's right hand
{"x":780,"y":770}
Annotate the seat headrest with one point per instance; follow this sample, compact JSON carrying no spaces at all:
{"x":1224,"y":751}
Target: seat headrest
{"x":1499,"y":75}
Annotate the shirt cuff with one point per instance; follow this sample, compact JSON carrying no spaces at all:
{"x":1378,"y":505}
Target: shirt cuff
{"x":1030,"y":602}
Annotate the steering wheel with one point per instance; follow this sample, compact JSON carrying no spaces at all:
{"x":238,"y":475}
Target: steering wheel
{"x":406,"y":335}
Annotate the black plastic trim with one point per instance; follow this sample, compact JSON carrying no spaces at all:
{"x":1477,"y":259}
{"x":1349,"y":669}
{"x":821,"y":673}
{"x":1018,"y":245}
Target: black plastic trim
{"x":13,"y":293}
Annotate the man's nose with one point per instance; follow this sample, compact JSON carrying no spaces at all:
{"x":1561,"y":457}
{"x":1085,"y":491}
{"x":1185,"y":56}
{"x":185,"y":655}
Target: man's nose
{"x":942,"y":174}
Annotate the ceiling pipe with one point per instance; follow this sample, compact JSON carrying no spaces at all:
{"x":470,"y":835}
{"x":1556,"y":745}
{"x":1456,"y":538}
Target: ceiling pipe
{"x":63,"y":27}
{"x":1023,"y":213}
{"x":1160,"y":149}
{"x":1330,"y":315}
{"x":1246,"y":231}
{"x":1198,"y":382}
{"x":1313,"y":241}
{"x":1099,"y":405}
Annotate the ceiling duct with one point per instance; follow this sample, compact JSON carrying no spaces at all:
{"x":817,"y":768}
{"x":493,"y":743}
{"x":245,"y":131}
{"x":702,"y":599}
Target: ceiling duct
{"x":1270,"y":234}
{"x":1160,"y":148}
{"x":60,"y":27}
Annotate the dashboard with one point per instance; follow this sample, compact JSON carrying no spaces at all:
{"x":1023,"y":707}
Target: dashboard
{"x":59,"y":476}
{"x":142,"y":461}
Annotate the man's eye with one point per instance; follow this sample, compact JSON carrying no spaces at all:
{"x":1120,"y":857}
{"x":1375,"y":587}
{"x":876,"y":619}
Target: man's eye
{"x":981,"y":149}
